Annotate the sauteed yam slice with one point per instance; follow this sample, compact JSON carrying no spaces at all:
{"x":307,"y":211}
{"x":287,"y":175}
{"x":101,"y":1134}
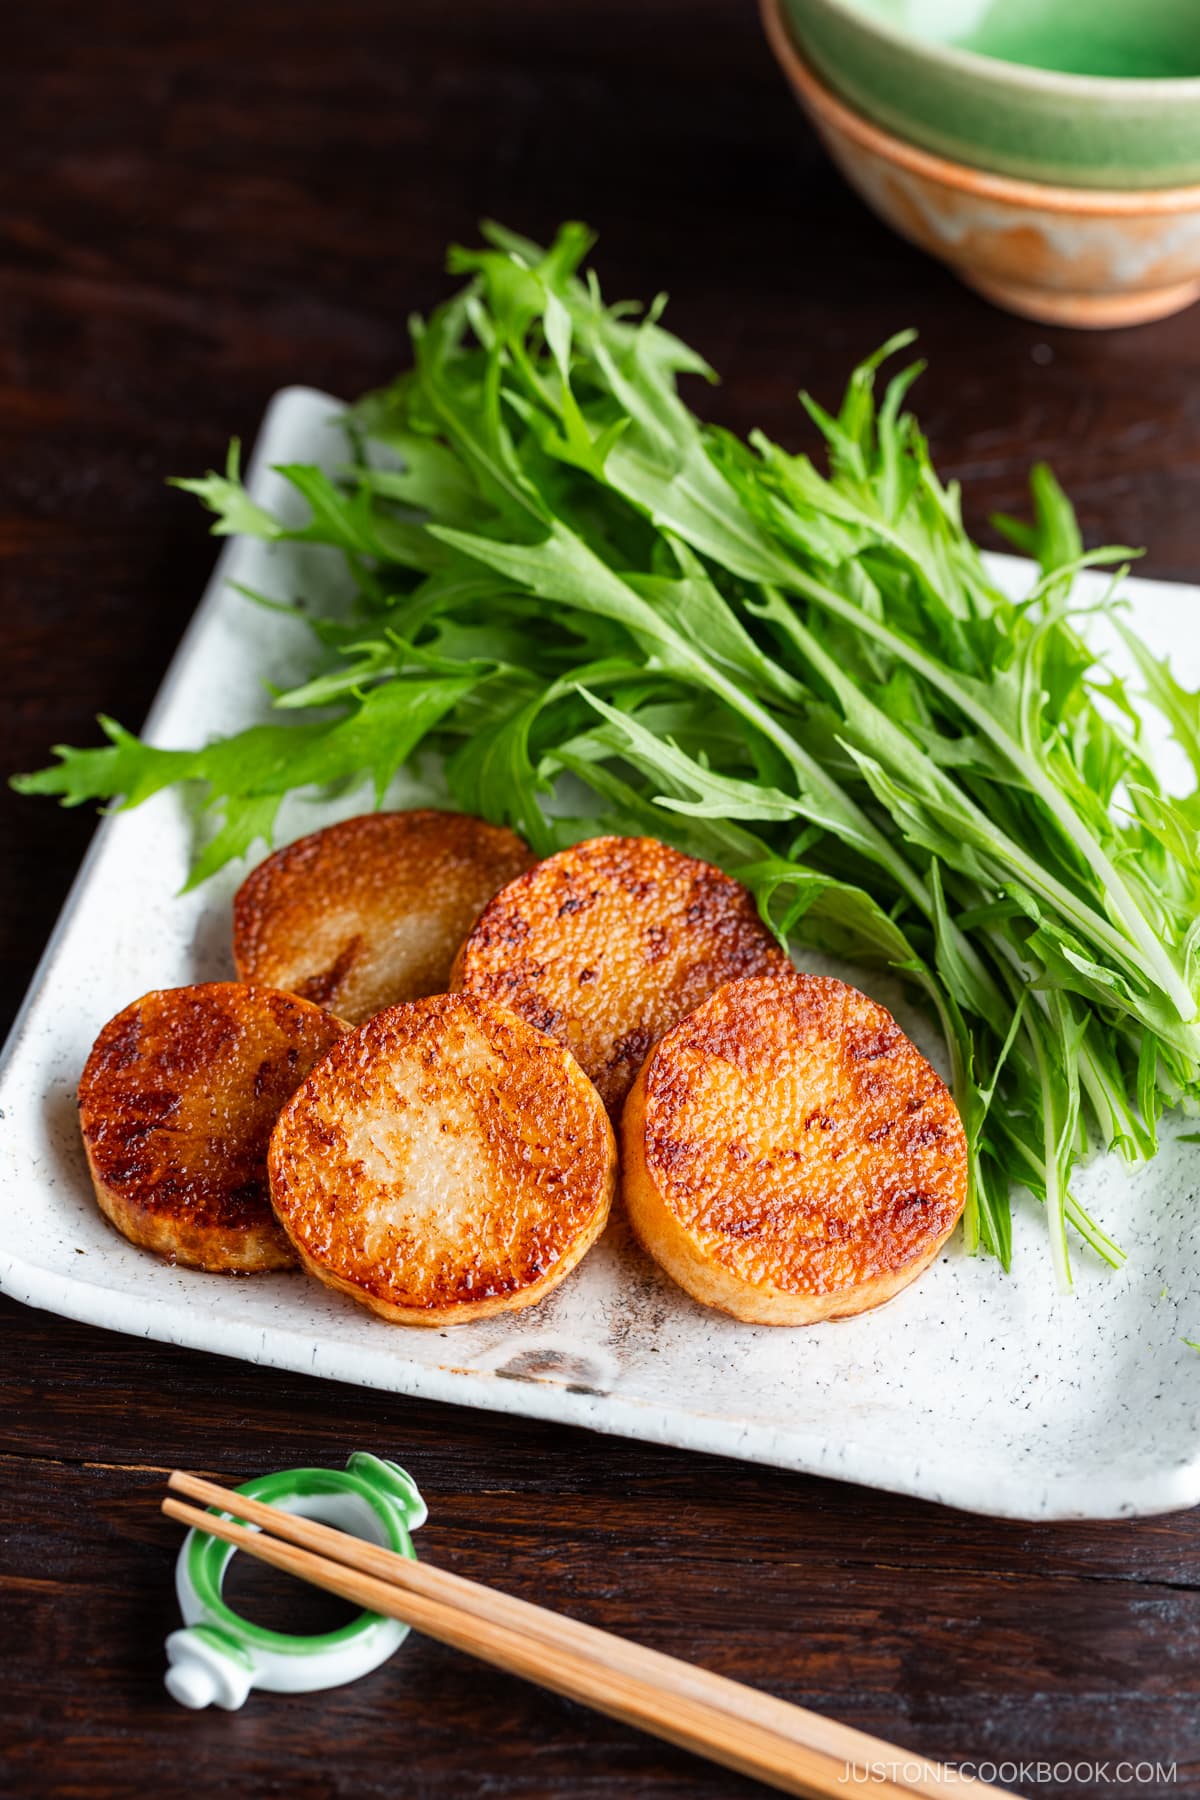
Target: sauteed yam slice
{"x":446,"y":1162}
{"x":789,"y":1155}
{"x":606,"y":945}
{"x":371,"y":911}
{"x":177,"y":1103}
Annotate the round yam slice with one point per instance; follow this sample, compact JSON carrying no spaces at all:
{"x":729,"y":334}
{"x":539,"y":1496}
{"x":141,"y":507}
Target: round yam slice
{"x":444,"y":1163}
{"x":789,"y":1155}
{"x":370,"y":912}
{"x":177,"y":1102}
{"x":608,"y":944}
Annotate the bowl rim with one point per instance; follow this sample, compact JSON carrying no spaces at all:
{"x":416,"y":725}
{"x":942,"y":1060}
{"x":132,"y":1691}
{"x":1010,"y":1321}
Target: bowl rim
{"x":1006,"y":73}
{"x":1011,"y":190}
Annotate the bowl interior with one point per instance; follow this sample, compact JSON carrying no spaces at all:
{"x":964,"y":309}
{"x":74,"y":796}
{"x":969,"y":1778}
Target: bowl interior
{"x":1125,"y":38}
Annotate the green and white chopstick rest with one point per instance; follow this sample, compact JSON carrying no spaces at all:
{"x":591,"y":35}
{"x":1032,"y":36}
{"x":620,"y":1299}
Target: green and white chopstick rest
{"x":219,"y":1657}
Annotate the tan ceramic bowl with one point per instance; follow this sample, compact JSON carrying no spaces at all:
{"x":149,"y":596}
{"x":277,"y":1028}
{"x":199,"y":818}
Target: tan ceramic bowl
{"x":1069,"y":256}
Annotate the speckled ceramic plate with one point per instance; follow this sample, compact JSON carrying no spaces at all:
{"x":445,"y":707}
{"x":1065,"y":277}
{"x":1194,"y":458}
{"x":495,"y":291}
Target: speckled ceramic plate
{"x":981,"y":1390}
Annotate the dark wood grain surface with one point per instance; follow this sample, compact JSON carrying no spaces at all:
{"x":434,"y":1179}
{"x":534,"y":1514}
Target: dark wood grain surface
{"x":198,"y":205}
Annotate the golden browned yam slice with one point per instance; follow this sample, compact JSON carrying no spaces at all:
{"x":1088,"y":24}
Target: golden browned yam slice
{"x":444,"y":1162}
{"x":608,"y":944}
{"x":177,"y":1102}
{"x":789,"y":1155}
{"x":370,"y":912}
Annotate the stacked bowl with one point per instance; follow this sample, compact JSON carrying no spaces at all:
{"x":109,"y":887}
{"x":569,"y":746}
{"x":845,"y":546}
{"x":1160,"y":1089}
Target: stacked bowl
{"x":1048,"y":150}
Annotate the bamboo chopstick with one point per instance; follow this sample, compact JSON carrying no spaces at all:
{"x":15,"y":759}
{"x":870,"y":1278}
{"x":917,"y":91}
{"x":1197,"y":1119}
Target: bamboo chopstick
{"x":796,"y":1751}
{"x":808,"y":1730}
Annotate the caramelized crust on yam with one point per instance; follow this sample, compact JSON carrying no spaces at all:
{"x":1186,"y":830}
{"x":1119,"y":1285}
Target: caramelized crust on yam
{"x":789,"y":1155}
{"x":445,"y":1162}
{"x":177,"y":1102}
{"x":370,"y":912}
{"x":606,"y":945}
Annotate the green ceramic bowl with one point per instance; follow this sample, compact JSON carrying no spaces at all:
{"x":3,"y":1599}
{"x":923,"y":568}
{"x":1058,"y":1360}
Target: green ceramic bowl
{"x":1087,"y":93}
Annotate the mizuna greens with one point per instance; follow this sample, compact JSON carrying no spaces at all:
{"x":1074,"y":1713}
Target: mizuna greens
{"x":566,"y":584}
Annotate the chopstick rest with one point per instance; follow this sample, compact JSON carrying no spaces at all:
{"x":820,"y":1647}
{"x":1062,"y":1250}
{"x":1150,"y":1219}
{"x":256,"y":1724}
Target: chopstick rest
{"x":219,"y":1656}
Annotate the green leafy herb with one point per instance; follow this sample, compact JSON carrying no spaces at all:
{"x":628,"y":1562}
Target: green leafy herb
{"x":562,"y":580}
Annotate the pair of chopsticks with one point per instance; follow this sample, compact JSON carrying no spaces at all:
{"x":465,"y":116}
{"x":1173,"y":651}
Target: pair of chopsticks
{"x":784,"y":1746}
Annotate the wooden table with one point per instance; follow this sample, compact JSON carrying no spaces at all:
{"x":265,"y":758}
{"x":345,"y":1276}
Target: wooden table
{"x":200,"y":203}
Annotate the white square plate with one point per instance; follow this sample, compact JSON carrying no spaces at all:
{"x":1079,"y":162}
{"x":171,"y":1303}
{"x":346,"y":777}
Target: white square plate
{"x":974,"y":1388}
